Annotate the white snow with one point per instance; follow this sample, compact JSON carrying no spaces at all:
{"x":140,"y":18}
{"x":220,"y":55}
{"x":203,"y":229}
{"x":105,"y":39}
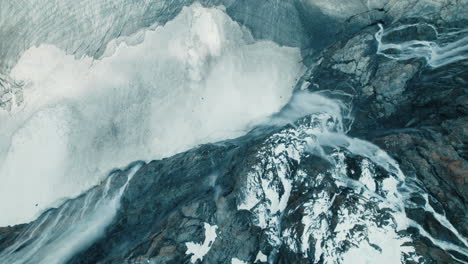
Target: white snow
{"x":260,"y":257}
{"x":372,"y":240}
{"x":198,"y":251}
{"x":199,"y":78}
{"x":367,"y":175}
{"x":237,"y":261}
{"x":251,"y":197}
{"x":315,"y":223}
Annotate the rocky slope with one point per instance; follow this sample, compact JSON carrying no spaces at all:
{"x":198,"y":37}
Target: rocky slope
{"x":302,"y":188}
{"x":302,"y":193}
{"x":414,"y":106}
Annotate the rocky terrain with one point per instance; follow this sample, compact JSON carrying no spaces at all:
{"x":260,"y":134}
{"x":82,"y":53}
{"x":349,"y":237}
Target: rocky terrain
{"x":367,"y":163}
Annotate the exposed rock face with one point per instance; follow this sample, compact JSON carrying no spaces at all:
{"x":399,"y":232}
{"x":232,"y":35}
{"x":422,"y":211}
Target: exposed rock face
{"x":291,"y":193}
{"x":265,"y":195}
{"x":411,"y":104}
{"x":412,"y":110}
{"x":282,"y":195}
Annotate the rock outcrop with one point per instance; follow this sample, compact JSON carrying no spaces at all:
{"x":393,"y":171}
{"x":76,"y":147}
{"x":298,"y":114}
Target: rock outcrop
{"x":412,"y":109}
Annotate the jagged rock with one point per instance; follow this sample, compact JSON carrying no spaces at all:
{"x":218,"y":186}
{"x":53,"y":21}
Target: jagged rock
{"x":278,"y":192}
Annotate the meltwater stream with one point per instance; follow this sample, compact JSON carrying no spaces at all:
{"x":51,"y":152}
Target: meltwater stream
{"x":199,"y":78}
{"x":437,"y":48}
{"x":59,"y":233}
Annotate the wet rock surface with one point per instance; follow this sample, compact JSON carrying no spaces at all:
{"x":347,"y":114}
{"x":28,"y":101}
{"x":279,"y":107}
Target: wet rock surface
{"x":278,"y":195}
{"x":415,"y":112}
{"x":216,"y":185}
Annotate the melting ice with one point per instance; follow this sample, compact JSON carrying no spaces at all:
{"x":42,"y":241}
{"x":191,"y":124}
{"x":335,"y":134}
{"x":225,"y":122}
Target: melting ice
{"x":199,"y":78}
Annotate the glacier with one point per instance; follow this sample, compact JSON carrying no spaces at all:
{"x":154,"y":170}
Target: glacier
{"x":173,"y":90}
{"x":295,"y":131}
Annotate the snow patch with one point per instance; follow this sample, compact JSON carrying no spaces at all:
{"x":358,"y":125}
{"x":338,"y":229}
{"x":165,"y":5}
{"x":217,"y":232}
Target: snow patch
{"x":198,"y":251}
{"x":260,"y":257}
{"x":237,"y":261}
